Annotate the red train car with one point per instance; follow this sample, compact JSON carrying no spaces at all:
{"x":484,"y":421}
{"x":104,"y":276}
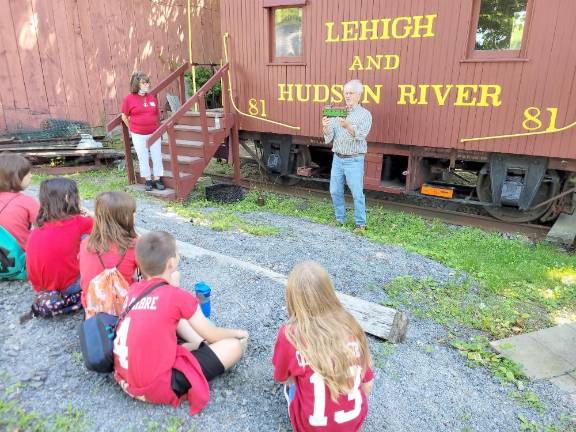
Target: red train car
{"x":471,"y":99}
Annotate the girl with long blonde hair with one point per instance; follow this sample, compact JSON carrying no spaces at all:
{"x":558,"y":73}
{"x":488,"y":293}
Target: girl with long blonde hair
{"x":322,"y":355}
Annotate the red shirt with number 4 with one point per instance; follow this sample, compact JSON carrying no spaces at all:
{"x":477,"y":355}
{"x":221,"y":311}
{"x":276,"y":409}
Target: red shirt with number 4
{"x":312,"y":408}
{"x":145,"y":348}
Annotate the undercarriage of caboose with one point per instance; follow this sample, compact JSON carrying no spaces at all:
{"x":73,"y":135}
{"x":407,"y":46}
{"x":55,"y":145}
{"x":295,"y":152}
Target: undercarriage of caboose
{"x":510,"y":188}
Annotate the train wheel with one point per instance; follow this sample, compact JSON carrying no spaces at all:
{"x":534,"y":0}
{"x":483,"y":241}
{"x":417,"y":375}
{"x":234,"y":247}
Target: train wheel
{"x":547,"y":190}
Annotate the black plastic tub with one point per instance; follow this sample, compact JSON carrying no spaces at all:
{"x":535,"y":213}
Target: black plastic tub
{"x":225,"y":193}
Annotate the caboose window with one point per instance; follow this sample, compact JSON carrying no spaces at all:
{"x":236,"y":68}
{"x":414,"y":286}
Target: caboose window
{"x":287,"y":33}
{"x":501,"y":25}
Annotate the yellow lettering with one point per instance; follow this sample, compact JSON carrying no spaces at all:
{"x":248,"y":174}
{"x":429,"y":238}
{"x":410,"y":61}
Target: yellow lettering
{"x":336,"y":93}
{"x":441,"y":97}
{"x":390,"y":64}
{"x":423,"y":94}
{"x":317,"y":88}
{"x":349,"y":31}
{"x":329,"y":36}
{"x":490,"y":92}
{"x":463,"y":95}
{"x":376,"y":63}
{"x":371,"y":29}
{"x":385,"y":28}
{"x":429,"y":26}
{"x":375,"y":96}
{"x":407,"y":91}
{"x":286,"y":93}
{"x":299,"y":96}
{"x":356,"y":64}
{"x":407,"y":28}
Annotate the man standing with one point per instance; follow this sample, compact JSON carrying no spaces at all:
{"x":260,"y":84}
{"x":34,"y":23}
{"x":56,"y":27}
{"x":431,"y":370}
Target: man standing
{"x":348,"y":137}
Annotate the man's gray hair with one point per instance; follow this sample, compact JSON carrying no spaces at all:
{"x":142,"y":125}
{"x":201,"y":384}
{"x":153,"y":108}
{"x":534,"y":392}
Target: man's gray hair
{"x":355,"y":85}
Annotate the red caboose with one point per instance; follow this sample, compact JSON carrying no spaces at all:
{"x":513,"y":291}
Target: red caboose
{"x":470,"y":99}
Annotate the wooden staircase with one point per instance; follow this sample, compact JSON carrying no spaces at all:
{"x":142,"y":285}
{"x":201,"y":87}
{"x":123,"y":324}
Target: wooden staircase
{"x":189,"y":138}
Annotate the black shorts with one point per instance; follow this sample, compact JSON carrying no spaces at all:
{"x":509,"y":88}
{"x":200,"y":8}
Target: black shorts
{"x":210,"y":364}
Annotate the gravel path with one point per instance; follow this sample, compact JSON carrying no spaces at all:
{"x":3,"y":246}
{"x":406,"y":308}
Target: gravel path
{"x":421,"y":385}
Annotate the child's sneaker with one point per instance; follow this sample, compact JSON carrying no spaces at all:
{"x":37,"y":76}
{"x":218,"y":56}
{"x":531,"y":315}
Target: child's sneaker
{"x":159,"y":185}
{"x":148,"y":186}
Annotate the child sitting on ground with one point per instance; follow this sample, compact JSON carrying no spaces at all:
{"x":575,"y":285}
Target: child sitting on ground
{"x":149,"y":364}
{"x":52,"y":249}
{"x":17,"y":214}
{"x":109,"y":247}
{"x":322,"y":356}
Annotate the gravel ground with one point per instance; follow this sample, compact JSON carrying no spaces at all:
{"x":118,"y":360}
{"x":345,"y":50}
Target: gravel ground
{"x":417,"y":388}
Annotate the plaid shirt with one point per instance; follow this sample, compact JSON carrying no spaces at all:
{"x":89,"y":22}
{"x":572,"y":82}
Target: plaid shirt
{"x":344,"y":143}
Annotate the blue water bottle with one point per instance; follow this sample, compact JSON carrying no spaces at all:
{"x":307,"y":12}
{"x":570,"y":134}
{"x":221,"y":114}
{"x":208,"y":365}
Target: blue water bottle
{"x":203,"y":293}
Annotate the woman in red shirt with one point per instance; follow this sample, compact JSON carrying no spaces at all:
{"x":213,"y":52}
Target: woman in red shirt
{"x":140,"y":112}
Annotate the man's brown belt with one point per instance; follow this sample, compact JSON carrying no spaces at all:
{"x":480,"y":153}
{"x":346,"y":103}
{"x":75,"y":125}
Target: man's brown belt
{"x":345,"y":156}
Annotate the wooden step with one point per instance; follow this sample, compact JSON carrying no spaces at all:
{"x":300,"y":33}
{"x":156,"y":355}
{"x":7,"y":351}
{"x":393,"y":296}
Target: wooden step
{"x":185,"y":143}
{"x":183,"y":160}
{"x":184,"y":127}
{"x":193,"y":133}
{"x":185,"y":148}
{"x":216,"y":112}
{"x":167,"y":194}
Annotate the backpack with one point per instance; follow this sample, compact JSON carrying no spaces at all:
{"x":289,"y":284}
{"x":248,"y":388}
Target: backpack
{"x":107,"y":291}
{"x":48,"y":304}
{"x":12,"y":257}
{"x":97,"y":336}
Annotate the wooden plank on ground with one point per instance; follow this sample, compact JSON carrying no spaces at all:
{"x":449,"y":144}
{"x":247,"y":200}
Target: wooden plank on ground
{"x":380,"y":321}
{"x":377,"y":320}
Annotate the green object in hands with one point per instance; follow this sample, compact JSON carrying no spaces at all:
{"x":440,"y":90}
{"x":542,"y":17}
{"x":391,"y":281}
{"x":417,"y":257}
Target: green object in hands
{"x":335,"y":112}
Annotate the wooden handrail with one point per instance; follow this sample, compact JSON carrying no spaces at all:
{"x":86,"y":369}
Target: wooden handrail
{"x":116,"y":121}
{"x":172,"y":120}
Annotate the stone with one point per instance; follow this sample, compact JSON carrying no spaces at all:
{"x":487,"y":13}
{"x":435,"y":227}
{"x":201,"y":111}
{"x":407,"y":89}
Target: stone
{"x":543,"y":354}
{"x":565,"y":383}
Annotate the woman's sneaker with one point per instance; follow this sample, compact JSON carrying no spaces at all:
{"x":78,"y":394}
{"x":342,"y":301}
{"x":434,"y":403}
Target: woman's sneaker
{"x":159,"y":185}
{"x":148,"y":185}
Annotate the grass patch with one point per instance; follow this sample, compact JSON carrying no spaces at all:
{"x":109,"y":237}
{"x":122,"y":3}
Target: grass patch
{"x":478,"y":353}
{"x":222,"y":219}
{"x":474,"y":306}
{"x":14,"y":418}
{"x":528,"y":399}
{"x":91,"y":183}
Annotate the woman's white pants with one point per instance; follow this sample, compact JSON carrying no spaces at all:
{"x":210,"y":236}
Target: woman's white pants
{"x":144,"y":154}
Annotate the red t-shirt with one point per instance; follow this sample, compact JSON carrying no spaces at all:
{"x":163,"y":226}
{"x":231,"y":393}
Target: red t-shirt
{"x":19,"y":215}
{"x":312,"y":408}
{"x":90,"y":266}
{"x":52,"y":253}
{"x":143,"y":112}
{"x":145,"y":348}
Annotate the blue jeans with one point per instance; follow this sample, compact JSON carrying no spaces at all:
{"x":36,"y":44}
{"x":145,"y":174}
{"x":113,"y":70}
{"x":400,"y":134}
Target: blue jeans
{"x":350,"y":170}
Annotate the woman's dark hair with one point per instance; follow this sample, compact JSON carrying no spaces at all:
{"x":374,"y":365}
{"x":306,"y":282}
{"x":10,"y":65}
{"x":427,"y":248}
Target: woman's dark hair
{"x":135,"y":81}
{"x":13,"y":169}
{"x":59,"y":199}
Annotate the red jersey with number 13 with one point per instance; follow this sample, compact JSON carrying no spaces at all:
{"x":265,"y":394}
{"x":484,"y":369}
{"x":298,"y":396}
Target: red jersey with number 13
{"x":312,"y":408}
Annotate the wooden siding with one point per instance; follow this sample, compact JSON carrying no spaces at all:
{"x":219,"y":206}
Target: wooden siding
{"x":544,"y":79}
{"x":73,"y":58}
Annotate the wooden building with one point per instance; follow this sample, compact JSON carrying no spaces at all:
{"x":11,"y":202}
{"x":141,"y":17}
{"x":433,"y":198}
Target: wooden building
{"x":73,"y":59}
